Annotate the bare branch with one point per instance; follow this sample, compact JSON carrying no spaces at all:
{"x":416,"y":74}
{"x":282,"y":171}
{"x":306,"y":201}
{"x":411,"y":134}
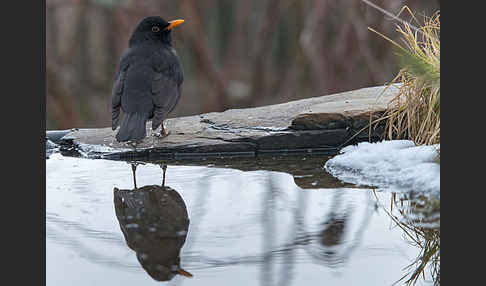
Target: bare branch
{"x":389,"y":14}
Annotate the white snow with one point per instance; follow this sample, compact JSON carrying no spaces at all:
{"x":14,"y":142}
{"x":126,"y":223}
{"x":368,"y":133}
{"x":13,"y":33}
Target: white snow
{"x":396,"y":165}
{"x":88,"y":150}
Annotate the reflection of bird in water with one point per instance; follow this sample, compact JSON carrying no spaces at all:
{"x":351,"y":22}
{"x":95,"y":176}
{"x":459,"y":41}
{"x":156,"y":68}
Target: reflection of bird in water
{"x":154,"y":222}
{"x":134,"y":170}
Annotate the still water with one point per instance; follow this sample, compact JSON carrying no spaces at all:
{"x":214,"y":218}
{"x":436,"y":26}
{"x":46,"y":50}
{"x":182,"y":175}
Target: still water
{"x":271,"y":221}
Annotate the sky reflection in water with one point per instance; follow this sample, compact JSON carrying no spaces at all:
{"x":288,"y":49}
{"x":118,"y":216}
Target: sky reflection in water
{"x":244,"y":227}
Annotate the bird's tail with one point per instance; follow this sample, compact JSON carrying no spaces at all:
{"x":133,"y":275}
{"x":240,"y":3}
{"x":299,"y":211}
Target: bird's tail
{"x":132,"y":127}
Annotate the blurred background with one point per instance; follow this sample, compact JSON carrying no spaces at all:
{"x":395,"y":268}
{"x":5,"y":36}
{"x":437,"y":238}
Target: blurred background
{"x":234,"y":53}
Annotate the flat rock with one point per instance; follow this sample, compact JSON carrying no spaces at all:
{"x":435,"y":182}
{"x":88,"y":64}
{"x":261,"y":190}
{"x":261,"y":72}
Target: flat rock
{"x":318,"y":124}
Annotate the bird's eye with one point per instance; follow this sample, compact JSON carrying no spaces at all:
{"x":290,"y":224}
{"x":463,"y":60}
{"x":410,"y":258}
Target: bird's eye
{"x":155,"y":29}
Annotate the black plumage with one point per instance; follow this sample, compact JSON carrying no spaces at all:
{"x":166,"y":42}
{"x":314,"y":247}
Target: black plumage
{"x":155,"y":223}
{"x":148,"y":82}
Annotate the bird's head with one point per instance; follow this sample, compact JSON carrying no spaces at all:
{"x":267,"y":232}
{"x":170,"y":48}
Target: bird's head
{"x":154,"y":29}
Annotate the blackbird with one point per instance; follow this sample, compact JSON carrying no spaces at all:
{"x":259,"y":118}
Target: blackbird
{"x":148,"y":82}
{"x":155,"y":224}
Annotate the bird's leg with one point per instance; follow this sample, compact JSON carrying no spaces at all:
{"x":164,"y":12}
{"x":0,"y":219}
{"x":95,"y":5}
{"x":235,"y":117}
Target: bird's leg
{"x":113,"y":140}
{"x":134,"y":168}
{"x":158,"y":134}
{"x":164,"y":169}
{"x":162,"y":133}
{"x":154,"y":135}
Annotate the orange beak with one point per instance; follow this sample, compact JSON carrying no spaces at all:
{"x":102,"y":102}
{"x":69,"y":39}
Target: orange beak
{"x":173,"y":24}
{"x":184,"y":273}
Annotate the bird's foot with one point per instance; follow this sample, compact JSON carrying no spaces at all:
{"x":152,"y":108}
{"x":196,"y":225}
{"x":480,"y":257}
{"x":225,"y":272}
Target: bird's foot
{"x":133,"y":144}
{"x":161,"y":134}
{"x":113,"y":138}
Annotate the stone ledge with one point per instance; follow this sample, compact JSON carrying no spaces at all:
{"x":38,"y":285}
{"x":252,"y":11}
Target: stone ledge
{"x":324,"y":123}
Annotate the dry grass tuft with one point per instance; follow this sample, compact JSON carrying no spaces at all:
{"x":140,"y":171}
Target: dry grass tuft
{"x":414,"y":113}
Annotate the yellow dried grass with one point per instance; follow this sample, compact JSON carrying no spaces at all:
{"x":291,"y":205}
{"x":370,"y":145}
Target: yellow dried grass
{"x":414,"y":113}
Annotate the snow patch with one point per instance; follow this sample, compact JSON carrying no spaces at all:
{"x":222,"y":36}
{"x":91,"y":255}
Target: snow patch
{"x":51,"y":148}
{"x":397,"y":165}
{"x":88,"y":150}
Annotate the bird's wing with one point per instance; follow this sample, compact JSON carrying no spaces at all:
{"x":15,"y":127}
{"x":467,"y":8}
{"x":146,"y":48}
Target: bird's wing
{"x":165,"y":95}
{"x":116,"y":93}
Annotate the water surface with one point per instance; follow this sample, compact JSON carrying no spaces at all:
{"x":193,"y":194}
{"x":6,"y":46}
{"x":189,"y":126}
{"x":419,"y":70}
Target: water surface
{"x":271,"y":221}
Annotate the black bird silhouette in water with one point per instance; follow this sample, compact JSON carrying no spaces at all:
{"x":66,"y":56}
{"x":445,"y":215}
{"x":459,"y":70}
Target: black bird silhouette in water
{"x":154,"y":222}
{"x":134,"y":172}
{"x":148,"y":82}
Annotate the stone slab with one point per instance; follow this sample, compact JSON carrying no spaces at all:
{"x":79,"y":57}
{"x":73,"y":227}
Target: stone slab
{"x":319,"y":123}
